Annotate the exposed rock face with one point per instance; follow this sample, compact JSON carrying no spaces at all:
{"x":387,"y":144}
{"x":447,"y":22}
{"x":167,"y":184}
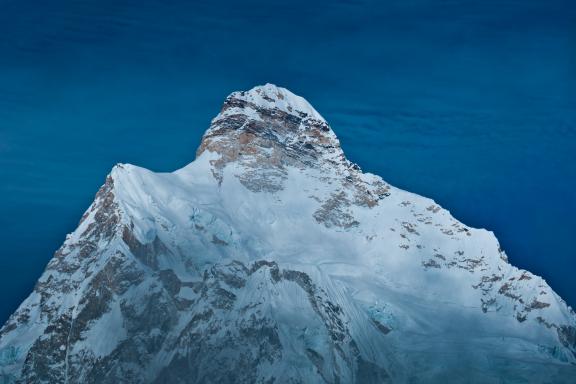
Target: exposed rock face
{"x":264,"y":133}
{"x":273,"y":259}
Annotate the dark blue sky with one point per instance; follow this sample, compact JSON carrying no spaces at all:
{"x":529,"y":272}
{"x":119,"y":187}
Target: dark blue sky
{"x":472,"y":103}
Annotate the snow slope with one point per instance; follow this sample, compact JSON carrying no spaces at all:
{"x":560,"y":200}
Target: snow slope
{"x":272,"y":258}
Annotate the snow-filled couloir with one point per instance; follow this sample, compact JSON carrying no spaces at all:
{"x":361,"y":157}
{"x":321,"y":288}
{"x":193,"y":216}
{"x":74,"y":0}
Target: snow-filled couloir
{"x":271,"y":258}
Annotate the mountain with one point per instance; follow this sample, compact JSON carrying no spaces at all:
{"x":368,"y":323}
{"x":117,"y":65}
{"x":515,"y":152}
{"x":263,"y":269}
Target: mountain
{"x":271,"y":258}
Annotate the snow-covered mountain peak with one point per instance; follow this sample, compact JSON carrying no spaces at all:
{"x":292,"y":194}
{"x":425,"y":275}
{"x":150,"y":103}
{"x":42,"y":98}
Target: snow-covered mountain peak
{"x":273,"y":259}
{"x":267,"y":129}
{"x":273,"y":97}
